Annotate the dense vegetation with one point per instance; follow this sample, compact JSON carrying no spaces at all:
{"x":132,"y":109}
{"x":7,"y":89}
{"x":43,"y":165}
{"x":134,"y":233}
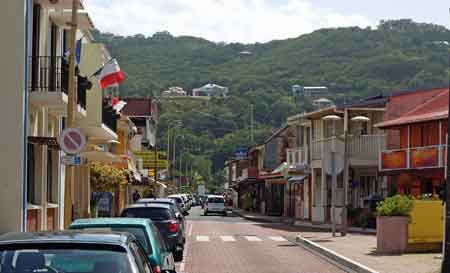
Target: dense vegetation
{"x":352,"y":62}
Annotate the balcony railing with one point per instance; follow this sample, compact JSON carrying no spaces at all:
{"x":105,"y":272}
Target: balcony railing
{"x":248,"y":173}
{"x":109,"y":116}
{"x":413,"y":158}
{"x":297,"y":155}
{"x":363,"y":147}
{"x":51,"y":74}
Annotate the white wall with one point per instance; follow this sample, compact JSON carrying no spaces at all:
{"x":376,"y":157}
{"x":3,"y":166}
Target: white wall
{"x":13,"y":89}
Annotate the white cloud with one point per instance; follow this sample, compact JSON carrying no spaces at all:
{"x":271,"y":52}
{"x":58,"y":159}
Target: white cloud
{"x":218,"y":20}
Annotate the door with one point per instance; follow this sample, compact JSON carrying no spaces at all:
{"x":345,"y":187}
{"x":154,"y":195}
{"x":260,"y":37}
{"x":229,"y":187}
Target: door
{"x":277,"y":199}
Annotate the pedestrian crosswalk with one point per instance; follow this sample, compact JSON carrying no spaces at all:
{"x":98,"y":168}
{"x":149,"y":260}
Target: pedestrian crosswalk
{"x":235,"y":238}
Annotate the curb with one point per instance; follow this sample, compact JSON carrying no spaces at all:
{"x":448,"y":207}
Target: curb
{"x":340,"y":260}
{"x":256,"y":218}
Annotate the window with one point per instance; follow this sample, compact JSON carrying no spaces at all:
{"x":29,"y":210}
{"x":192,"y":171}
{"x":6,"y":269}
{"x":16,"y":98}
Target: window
{"x":141,"y":260}
{"x":31,"y":175}
{"x":160,"y":239}
{"x":156,"y":214}
{"x":69,"y":259}
{"x":50,"y":197}
{"x":217,"y":200}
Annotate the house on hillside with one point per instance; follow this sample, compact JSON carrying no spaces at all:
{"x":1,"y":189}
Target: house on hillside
{"x":415,"y":157}
{"x":174,"y":92}
{"x":210,"y":90}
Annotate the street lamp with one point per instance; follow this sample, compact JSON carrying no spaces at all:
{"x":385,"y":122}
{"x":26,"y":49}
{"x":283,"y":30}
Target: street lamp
{"x":357,"y":119}
{"x":333,"y":173}
{"x":174,"y":124}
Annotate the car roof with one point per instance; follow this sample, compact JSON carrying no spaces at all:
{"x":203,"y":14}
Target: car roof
{"x":148,"y":205}
{"x":215,"y":196}
{"x":67,"y":236}
{"x":119,"y":221}
{"x":156,"y":200}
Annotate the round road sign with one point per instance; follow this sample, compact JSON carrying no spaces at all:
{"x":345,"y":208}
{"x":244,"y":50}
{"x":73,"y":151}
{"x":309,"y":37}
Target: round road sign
{"x":72,"y":141}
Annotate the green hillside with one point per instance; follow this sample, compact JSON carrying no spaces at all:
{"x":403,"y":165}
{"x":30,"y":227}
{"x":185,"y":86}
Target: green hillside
{"x":352,"y":62}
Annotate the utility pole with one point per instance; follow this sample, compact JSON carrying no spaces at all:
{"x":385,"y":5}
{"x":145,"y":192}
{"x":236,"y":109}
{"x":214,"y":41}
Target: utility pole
{"x":344,"y":223}
{"x":168,"y":151}
{"x":446,"y":255}
{"x":180,"y":172}
{"x":72,"y":98}
{"x":251,"y":125}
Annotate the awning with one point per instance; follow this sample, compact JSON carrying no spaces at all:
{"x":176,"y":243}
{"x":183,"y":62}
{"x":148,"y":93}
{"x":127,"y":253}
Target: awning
{"x":104,"y":157}
{"x":281,"y":167}
{"x":51,"y":142}
{"x":161,"y":184}
{"x":297,"y":179}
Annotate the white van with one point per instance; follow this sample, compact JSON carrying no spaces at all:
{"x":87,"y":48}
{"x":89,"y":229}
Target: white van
{"x":215,"y":204}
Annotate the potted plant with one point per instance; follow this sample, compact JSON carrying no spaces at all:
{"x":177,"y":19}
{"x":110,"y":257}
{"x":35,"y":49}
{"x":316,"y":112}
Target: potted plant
{"x":392,"y":224}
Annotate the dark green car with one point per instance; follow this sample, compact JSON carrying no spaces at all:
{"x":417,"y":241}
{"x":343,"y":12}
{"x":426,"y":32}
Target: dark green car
{"x":144,"y":230}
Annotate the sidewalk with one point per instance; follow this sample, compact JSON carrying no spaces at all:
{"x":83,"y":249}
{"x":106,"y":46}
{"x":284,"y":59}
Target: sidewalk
{"x":358,"y":252}
{"x":274,"y":219}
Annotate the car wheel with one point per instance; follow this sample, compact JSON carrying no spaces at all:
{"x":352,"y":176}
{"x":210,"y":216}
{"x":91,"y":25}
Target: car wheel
{"x":224,"y":213}
{"x":178,"y":255}
{"x":205,"y":213}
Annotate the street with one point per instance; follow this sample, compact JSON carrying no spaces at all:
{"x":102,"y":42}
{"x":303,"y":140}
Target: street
{"x":234,"y":245}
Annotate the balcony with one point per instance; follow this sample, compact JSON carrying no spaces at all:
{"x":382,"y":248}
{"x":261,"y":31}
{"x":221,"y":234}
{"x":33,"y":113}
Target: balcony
{"x":49,"y":84}
{"x":362,"y":148}
{"x":297,"y":156}
{"x":61,"y":4}
{"x":250,"y":173}
{"x":63,"y":19}
{"x":413,"y":158}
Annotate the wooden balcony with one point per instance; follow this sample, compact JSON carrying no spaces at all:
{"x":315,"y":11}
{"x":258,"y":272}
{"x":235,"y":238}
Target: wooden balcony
{"x":250,"y":173}
{"x":413,"y":158}
{"x":296,"y":156}
{"x":364,"y":148}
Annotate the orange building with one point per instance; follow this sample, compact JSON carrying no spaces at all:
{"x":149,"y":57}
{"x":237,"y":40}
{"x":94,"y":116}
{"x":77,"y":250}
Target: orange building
{"x":415,"y":158}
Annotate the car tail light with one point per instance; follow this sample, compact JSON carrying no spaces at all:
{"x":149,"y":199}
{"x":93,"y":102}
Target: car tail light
{"x":173,"y":226}
{"x":157,"y":269}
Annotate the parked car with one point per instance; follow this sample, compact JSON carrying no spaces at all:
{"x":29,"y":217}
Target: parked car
{"x":163,"y":216}
{"x":215,"y":204}
{"x":186,"y":201}
{"x":72,"y":251}
{"x":180,"y":202}
{"x":170,"y":202}
{"x":145,"y":232}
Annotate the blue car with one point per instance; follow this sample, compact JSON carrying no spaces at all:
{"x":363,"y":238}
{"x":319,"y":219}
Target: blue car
{"x":144,"y":230}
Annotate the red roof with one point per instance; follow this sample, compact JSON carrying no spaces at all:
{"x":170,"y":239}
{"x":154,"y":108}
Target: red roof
{"x":435,"y":108}
{"x":137,"y":107}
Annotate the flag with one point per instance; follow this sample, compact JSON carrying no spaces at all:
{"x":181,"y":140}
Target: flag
{"x":77,"y":52}
{"x":117,"y":104}
{"x":110,"y":74}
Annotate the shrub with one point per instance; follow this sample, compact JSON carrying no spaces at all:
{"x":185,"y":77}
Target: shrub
{"x":397,"y":205}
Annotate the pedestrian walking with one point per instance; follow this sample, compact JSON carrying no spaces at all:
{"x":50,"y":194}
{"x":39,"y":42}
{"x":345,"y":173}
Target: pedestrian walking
{"x":136,"y":196}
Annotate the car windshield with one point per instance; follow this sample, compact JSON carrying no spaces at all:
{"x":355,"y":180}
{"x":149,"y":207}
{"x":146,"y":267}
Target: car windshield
{"x":138,"y":232}
{"x":155,"y":214}
{"x":215,"y":200}
{"x":67,"y":259}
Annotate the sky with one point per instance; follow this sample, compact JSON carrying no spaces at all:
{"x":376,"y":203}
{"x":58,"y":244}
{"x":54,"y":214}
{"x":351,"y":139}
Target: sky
{"x":250,"y":21}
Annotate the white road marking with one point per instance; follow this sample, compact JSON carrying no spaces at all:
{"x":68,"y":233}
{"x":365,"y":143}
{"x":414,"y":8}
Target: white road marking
{"x":252,"y":239}
{"x":190,"y":230}
{"x":202,"y":238}
{"x":277,"y":239}
{"x":227,"y":238}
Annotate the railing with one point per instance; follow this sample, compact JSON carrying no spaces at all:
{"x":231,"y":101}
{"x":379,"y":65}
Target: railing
{"x":109,"y":116}
{"x":50,"y":74}
{"x":364,"y":147}
{"x":413,"y":158}
{"x":297,"y":155}
{"x":248,"y":173}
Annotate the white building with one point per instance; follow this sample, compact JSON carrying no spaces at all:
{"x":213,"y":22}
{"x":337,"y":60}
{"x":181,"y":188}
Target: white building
{"x":174,"y":91}
{"x":210,"y":90}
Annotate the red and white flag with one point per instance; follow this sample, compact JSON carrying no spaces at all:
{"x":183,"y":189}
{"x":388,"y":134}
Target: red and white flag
{"x":110,"y":74}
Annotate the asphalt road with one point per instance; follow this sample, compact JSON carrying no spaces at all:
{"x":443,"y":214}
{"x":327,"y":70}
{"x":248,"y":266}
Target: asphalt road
{"x":231,"y":244}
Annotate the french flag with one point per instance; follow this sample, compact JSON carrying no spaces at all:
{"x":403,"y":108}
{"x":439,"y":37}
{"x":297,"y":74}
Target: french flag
{"x":110,"y":74}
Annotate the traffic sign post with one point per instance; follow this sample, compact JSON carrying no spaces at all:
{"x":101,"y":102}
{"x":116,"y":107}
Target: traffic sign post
{"x":72,"y":141}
